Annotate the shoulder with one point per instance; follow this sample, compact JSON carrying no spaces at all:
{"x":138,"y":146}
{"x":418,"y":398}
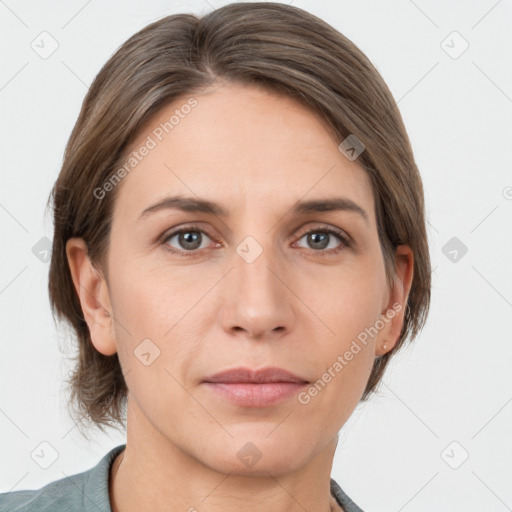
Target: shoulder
{"x":343,"y":499}
{"x":84,"y":491}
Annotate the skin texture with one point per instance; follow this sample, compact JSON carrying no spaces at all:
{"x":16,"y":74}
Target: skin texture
{"x":295,"y":306}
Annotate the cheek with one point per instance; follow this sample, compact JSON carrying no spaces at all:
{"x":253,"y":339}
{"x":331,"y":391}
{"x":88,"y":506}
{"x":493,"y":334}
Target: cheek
{"x":344,"y":367}
{"x":348,"y":299}
{"x":350,"y":305}
{"x":152,"y":301}
{"x":160,"y":316}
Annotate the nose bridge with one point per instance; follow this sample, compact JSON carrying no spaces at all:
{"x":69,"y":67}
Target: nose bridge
{"x":258,"y":298}
{"x":253,"y":263}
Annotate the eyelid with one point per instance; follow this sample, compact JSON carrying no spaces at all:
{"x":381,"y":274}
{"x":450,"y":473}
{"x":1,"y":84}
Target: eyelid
{"x":346,"y":241}
{"x":176,"y":231}
{"x":329,"y":229}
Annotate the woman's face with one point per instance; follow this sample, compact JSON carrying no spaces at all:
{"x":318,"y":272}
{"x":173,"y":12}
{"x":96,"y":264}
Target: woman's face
{"x":246,"y":287}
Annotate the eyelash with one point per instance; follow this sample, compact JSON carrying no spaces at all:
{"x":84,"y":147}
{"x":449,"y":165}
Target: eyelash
{"x":345,"y":242}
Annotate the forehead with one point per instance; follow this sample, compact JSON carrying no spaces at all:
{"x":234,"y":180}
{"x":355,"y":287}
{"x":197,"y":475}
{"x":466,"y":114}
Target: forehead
{"x":238,"y":145}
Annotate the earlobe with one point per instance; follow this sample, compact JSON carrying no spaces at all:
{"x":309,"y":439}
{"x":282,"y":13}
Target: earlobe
{"x":398,"y":296}
{"x":92,"y":290}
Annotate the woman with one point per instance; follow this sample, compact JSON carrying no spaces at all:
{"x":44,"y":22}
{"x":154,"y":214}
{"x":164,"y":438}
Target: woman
{"x":240,"y":246}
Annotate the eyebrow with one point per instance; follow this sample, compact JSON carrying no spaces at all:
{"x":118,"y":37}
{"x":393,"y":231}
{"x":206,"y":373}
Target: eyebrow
{"x":192,"y":204}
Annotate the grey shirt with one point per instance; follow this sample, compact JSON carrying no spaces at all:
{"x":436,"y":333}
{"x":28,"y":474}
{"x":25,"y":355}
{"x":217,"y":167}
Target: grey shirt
{"x":88,"y":491}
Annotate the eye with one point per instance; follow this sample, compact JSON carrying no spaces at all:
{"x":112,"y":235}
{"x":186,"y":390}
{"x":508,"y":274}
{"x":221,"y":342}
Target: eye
{"x":189,"y":240}
{"x":320,"y":239}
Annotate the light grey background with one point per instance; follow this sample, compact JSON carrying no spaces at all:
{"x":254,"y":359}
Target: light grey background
{"x":447,"y":396}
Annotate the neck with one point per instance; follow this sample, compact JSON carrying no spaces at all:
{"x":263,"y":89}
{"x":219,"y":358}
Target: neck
{"x":157,"y":475}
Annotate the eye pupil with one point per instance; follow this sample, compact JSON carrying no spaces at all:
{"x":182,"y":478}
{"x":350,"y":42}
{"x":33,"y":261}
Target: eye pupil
{"x":314,"y":237}
{"x":189,"y":237}
{"x":190,"y":240}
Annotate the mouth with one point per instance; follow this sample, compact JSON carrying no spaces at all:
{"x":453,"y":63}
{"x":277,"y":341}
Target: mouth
{"x":255,"y":388}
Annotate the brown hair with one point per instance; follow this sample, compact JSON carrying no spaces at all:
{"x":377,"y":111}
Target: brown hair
{"x":276,"y":46}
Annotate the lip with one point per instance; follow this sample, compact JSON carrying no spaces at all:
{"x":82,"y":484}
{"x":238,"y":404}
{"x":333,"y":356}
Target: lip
{"x":263,"y":375}
{"x":255,"y":388}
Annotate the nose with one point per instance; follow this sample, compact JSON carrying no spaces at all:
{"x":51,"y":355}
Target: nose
{"x":258,"y":298}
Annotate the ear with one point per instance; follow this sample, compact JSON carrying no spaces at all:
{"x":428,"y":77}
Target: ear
{"x":394,"y":307}
{"x":92,"y":290}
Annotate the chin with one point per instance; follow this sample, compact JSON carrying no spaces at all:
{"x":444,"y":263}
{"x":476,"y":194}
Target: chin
{"x":258,"y":451}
